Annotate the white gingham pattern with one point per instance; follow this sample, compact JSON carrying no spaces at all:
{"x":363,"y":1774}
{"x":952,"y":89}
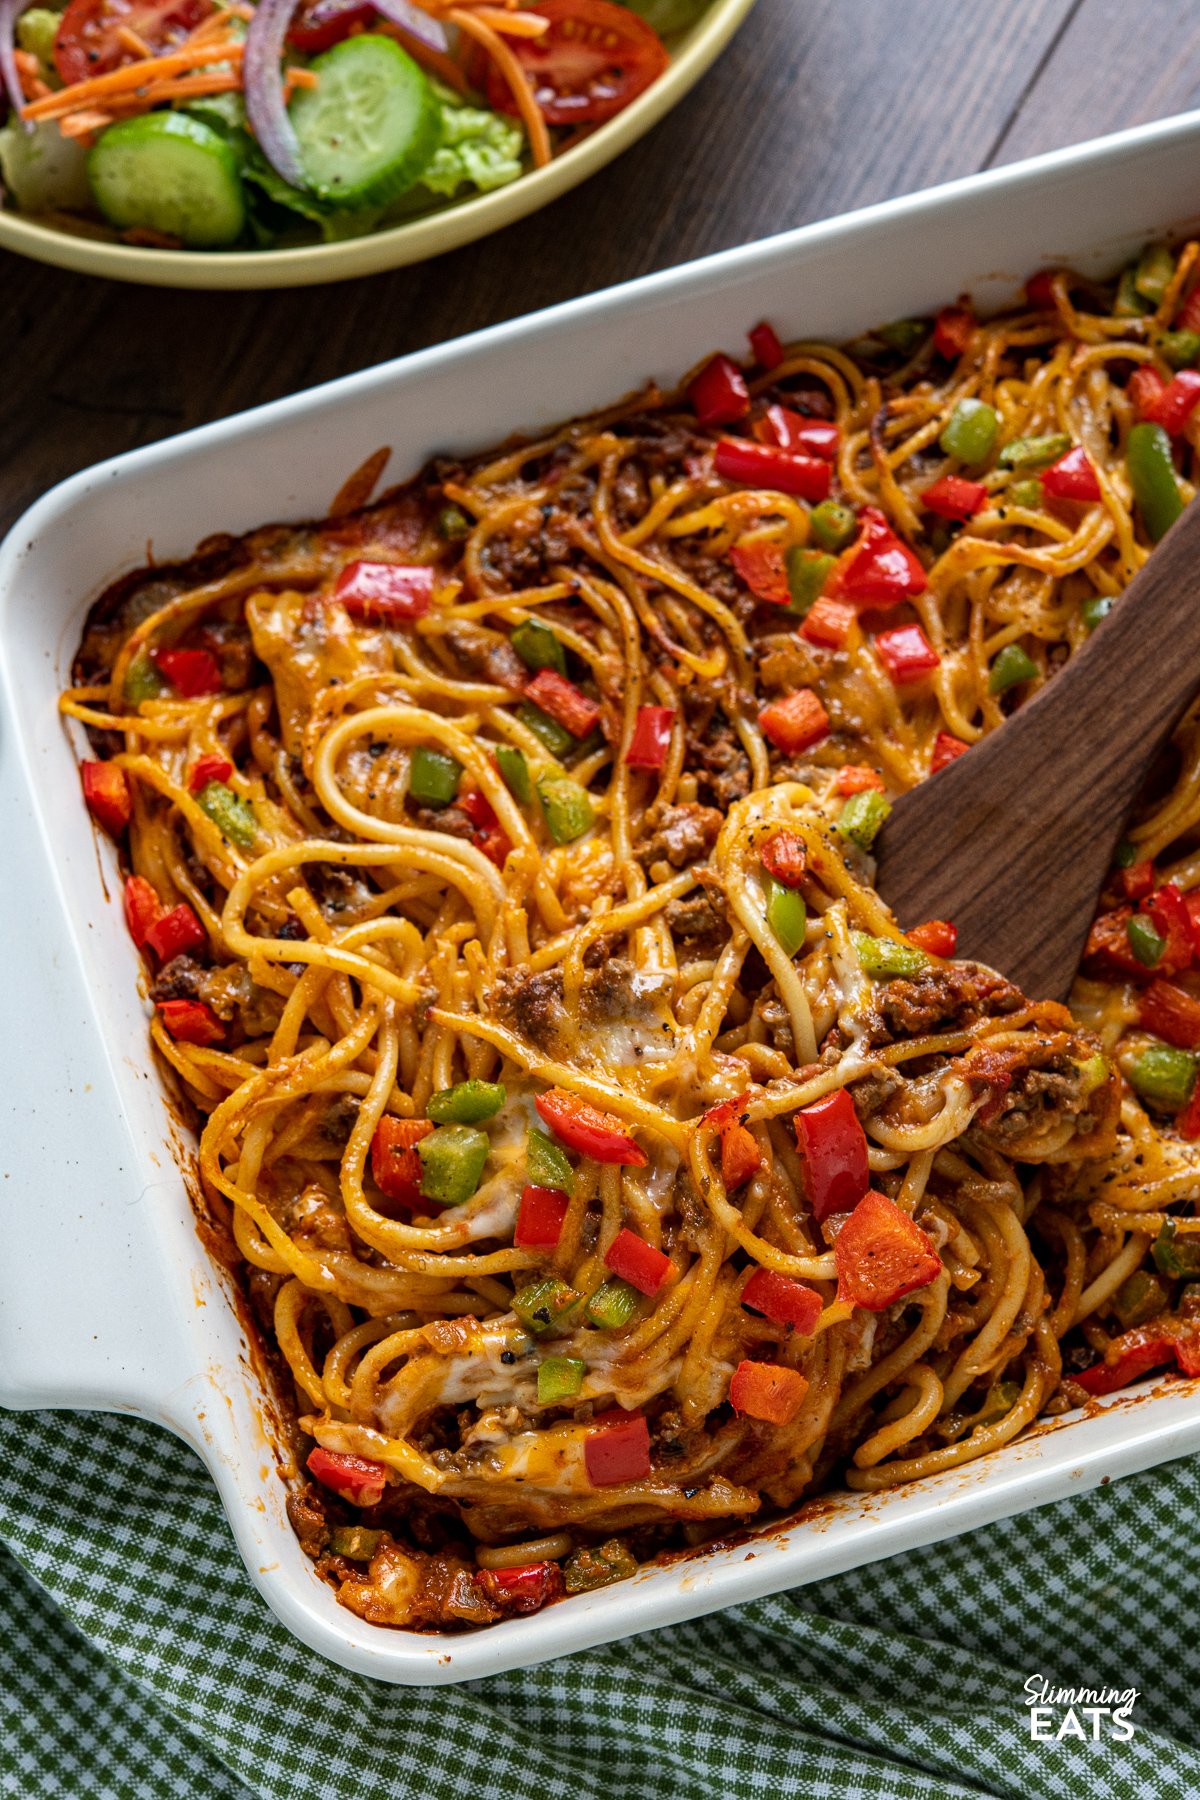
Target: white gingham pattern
{"x":138,"y":1661}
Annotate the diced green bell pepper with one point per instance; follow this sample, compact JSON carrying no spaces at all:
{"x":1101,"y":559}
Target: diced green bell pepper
{"x":1179,"y":349}
{"x":970,"y":431}
{"x":142,"y":680}
{"x":515,"y":771}
{"x":1140,"y":1298}
{"x":1092,"y":1074}
{"x":807,"y":573}
{"x":545,"y":1305}
{"x":1011,"y":666}
{"x":1034,"y":452}
{"x":1125,"y":854}
{"x":1164,"y":1077}
{"x":1145,"y":942}
{"x":1174,"y":1254}
{"x":538,"y":648}
{"x":1152,"y":476}
{"x":833,"y":525}
{"x":559,"y":1378}
{"x":585,"y":1570}
{"x":1027,"y":493}
{"x":862,"y":816}
{"x":453,"y":524}
{"x":1097,"y":608}
{"x":452,"y":1159}
{"x":557,"y":739}
{"x":1129,"y":303}
{"x":468,"y":1103}
{"x":233,"y":817}
{"x":887,"y":960}
{"x":546,"y":1164}
{"x":904,"y":335}
{"x":613,"y":1304}
{"x":568,"y":810}
{"x":433,"y":777}
{"x":1153,"y":273}
{"x":786,"y":915}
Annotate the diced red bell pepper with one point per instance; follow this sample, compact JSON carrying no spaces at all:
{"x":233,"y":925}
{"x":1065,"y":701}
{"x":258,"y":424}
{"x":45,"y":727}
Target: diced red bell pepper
{"x":856,"y":778}
{"x":1168,"y":911}
{"x":882,"y":1255}
{"x":953,"y":330}
{"x":602,"y":1136}
{"x":834,"y":1147}
{"x":1191,"y":901}
{"x":789,"y":430}
{"x":828,"y":621}
{"x":765,"y":465}
{"x":1166,"y":403}
{"x":719,"y":394}
{"x":355,"y":1478}
{"x":907,"y":654}
{"x":1072,"y":477}
{"x":783,"y":1301}
{"x":489,"y":835}
{"x":190,"y":672}
{"x":142,"y":907}
{"x":1187,"y":1124}
{"x":1170,"y":1013}
{"x":783,"y":857}
{"x":881,"y":570}
{"x":191,"y":1022}
{"x":563,"y":701}
{"x":765,"y":344}
{"x":176,"y":933}
{"x":107,"y":795}
{"x":394,"y":1160}
{"x":540,"y":1218}
{"x":1187,"y":1352}
{"x":651,"y":738}
{"x":637,"y":1262}
{"x":1188,"y":316}
{"x":795,"y":722}
{"x":617,"y":1449}
{"x":1039,"y":291}
{"x":937,"y":936}
{"x":1108,"y":945}
{"x":381,"y":593}
{"x":740,"y":1156}
{"x":1137,"y":880}
{"x":954,"y":497}
{"x":946,"y":749}
{"x":1106,"y":1377}
{"x":767,"y":1391}
{"x":206,"y":768}
{"x":761,"y":566}
{"x":523,"y":1590}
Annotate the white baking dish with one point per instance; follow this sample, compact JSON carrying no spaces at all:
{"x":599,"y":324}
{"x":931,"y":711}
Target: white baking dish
{"x":108,"y":1299}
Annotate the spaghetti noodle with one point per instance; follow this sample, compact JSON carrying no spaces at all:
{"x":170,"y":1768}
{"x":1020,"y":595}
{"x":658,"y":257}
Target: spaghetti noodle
{"x":602,"y":1161}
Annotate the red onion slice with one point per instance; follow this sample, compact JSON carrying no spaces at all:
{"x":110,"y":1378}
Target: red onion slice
{"x":9,"y":10}
{"x":262,"y":80}
{"x":410,"y":18}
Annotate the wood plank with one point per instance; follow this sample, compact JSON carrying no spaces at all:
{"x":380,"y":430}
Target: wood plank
{"x":1092,"y":84}
{"x":814,"y":108}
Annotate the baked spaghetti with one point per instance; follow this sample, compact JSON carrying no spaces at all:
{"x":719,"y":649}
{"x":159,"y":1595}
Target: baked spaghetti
{"x":604,"y":1164}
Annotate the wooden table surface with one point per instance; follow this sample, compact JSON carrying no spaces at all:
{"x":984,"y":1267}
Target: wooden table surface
{"x":818,"y":106}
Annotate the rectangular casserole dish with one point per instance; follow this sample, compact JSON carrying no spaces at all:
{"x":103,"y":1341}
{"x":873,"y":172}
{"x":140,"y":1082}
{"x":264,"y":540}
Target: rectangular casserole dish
{"x":130,"y":1315}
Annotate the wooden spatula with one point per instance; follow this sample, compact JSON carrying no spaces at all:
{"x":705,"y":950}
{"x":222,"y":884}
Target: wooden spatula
{"x":1013,"y":841}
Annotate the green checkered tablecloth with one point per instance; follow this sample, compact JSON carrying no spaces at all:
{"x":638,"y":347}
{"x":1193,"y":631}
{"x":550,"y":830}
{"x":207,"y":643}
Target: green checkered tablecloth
{"x":138,"y":1661}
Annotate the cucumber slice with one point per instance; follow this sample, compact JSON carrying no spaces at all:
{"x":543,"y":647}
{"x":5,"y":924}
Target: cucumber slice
{"x":172,"y":174}
{"x":371,"y":125}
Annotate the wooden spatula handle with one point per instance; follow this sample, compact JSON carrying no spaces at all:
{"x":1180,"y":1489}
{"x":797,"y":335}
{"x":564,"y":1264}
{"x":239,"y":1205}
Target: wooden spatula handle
{"x":1012,"y":841}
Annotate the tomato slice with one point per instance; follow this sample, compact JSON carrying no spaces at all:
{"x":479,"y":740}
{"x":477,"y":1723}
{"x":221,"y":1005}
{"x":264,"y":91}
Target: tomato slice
{"x":87,"y":42}
{"x":595,"y":58}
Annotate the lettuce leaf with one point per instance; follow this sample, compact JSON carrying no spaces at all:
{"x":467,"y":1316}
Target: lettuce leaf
{"x":479,"y":149}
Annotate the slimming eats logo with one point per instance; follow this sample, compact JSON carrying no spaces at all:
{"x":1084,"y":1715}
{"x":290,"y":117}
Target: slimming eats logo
{"x":1058,"y":1713}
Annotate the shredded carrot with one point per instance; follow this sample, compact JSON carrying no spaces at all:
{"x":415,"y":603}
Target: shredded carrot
{"x":301,"y":78}
{"x":84,"y":124}
{"x":514,"y":75}
{"x":131,"y":41}
{"x":131,"y":78}
{"x":512,"y":24}
{"x":29,"y":71}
